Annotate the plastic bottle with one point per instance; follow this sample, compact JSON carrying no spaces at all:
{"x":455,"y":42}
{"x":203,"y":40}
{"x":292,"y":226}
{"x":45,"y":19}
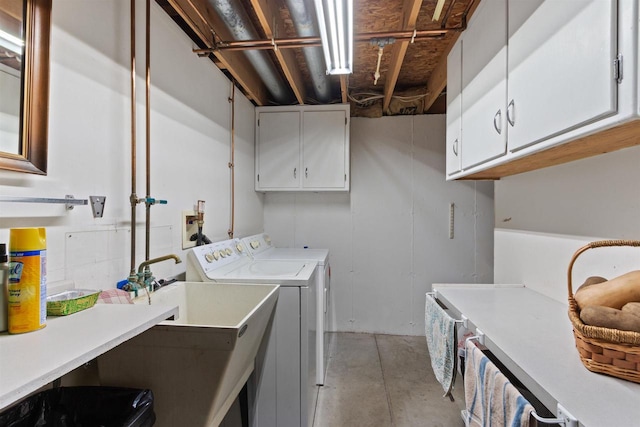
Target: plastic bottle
{"x":4,"y":286}
{"x":27,"y":280}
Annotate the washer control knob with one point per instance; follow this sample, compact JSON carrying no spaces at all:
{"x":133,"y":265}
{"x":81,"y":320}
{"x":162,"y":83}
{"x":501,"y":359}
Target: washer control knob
{"x":239,"y":247}
{"x":216,"y":255}
{"x":267,"y":239}
{"x":209,"y":257}
{"x":255,"y":244}
{"x":223,"y":254}
{"x":229,"y":251}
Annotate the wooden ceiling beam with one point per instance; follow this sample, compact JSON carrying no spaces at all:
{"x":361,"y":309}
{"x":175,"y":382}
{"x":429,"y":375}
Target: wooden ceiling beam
{"x":344,"y":88}
{"x":438,"y":78}
{"x":203,"y":20}
{"x":410,"y":11}
{"x":269,"y":17}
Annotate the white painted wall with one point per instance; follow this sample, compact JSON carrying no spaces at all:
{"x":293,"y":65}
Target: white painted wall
{"x":543,"y":217}
{"x":89,"y":145}
{"x":389,"y":237}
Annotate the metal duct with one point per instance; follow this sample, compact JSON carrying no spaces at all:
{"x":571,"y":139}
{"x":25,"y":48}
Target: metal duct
{"x":237,"y":21}
{"x":303,"y":17}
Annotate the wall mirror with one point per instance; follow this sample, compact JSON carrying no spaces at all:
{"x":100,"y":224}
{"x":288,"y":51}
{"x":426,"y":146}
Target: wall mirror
{"x":24,"y":84}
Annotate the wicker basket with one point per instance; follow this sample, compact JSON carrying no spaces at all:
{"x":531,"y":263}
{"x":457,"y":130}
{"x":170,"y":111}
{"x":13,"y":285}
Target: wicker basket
{"x":604,"y":350}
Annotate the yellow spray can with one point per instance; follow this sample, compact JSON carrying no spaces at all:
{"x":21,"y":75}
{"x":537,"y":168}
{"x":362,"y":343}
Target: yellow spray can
{"x":27,"y":297}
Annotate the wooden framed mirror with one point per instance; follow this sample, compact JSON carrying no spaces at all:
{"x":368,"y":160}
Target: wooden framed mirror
{"x":25,"y":27}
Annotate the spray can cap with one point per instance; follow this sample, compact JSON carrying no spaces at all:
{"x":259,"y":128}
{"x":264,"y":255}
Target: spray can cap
{"x":3,"y":253}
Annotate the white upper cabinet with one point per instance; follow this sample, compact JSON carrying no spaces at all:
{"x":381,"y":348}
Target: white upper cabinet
{"x":543,"y":82}
{"x":324,"y":152}
{"x":454,"y":107}
{"x":561,"y":66}
{"x":484,"y":84}
{"x":302,"y":148}
{"x":278,"y":133}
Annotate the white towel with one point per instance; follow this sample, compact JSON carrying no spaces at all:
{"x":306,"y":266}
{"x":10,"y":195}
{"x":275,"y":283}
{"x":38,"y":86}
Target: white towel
{"x":491,"y":400}
{"x":440,"y":330}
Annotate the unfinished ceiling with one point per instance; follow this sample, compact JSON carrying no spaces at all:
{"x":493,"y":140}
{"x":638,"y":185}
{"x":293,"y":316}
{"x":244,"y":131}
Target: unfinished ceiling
{"x":271,"y":49}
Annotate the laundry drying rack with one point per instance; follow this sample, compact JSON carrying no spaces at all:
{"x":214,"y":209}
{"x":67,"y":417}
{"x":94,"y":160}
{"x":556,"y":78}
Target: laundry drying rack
{"x":563,"y":418}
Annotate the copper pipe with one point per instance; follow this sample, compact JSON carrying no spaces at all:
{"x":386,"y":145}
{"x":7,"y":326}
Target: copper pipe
{"x":232,"y":165}
{"x":133,"y":198}
{"x":148,"y":129}
{"x":296,"y":42}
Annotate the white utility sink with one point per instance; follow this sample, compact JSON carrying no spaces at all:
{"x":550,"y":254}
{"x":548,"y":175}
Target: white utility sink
{"x":196,"y":364}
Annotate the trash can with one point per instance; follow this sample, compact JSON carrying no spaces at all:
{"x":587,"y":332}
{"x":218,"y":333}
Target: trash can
{"x":83,"y":407}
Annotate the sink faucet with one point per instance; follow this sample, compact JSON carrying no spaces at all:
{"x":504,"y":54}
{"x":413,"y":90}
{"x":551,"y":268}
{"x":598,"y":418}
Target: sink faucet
{"x":146,"y":264}
{"x":144,"y":276}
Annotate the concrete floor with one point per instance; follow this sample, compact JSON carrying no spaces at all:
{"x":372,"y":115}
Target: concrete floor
{"x":383,"y":380}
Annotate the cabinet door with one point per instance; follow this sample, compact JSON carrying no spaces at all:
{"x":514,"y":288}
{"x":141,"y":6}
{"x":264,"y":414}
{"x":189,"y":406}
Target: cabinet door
{"x":278,"y":150}
{"x":324,"y":149}
{"x":484,"y":84}
{"x":561,"y":73}
{"x":454,"y":107}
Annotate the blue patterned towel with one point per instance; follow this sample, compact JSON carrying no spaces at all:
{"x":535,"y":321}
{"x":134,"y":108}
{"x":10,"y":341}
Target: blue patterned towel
{"x":490,"y":399}
{"x":440,"y":330}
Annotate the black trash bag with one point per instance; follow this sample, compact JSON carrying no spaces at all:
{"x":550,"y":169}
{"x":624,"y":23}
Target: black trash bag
{"x":83,"y":407}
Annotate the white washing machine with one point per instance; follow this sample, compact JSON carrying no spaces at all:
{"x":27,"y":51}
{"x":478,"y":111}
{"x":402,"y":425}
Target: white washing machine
{"x":282,"y":389}
{"x":260,"y":247}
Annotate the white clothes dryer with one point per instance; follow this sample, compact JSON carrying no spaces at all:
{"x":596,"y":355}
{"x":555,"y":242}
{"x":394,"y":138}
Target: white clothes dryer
{"x":261,"y":248}
{"x":282,"y":389}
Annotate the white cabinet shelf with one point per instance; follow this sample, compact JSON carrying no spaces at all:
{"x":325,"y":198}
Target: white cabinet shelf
{"x":302,"y":148}
{"x":566,"y":95}
{"x":32,"y":360}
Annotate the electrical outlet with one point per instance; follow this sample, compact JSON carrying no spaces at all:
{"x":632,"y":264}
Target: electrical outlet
{"x":189,"y":228}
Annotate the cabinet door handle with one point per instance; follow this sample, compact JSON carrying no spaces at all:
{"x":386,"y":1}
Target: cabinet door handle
{"x":455,"y":147}
{"x":511,"y":113}
{"x":295,"y":172}
{"x":306,"y":172}
{"x":498,"y":119}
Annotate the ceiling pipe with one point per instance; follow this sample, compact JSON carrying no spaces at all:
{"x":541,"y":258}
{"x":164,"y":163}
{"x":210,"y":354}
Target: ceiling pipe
{"x":297,"y":42}
{"x":237,"y":21}
{"x":303,"y":18}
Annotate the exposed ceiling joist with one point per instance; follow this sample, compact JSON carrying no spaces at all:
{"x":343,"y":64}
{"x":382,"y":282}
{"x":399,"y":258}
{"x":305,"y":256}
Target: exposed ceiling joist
{"x":410,"y":11}
{"x":202,"y":19}
{"x":438,"y":78}
{"x":269,"y":16}
{"x":344,"y":88}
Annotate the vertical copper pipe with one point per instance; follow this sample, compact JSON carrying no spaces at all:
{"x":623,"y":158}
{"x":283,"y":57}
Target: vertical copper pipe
{"x":148,"y":129}
{"x":133,"y":198}
{"x":232,"y":165}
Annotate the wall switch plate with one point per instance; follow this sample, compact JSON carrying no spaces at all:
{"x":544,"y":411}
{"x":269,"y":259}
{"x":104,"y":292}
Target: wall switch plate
{"x":189,"y":222}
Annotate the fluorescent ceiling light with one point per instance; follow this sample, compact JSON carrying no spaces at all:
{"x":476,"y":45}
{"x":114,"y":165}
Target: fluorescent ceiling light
{"x":335,"y":19}
{"x":11,"y":42}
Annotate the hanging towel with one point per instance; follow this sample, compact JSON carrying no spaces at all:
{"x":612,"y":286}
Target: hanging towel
{"x":491,"y":400}
{"x":440,"y":330}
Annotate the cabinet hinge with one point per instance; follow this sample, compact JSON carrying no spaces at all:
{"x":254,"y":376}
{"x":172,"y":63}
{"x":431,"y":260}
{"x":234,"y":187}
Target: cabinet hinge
{"x":258,"y":177}
{"x":345,"y":177}
{"x":345,"y":121}
{"x":258,"y":122}
{"x":617,"y":68}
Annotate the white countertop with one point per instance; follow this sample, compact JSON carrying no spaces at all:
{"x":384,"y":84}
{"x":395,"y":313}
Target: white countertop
{"x":32,"y":360}
{"x":532,"y":335}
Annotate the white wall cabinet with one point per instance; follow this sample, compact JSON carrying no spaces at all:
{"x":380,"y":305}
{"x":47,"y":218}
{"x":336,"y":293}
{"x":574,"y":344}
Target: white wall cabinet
{"x":302,"y":148}
{"x":484,"y":84}
{"x":545,"y":75}
{"x":454,"y":107}
{"x":561,"y":73}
